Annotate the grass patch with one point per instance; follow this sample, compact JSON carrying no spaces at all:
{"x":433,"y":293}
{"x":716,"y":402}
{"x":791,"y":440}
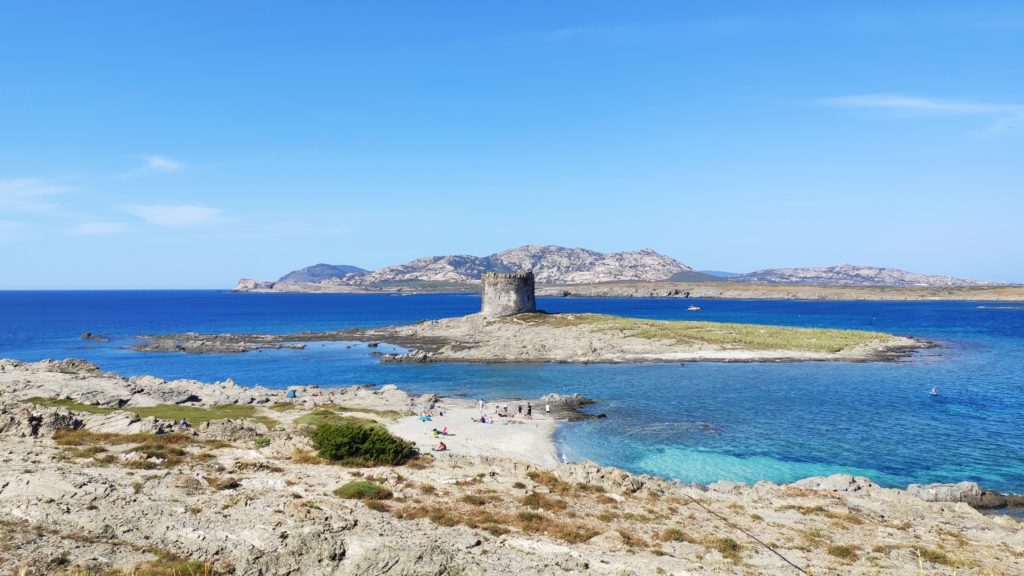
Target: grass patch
{"x":332,"y":418}
{"x":721,"y":334}
{"x":542,"y":502}
{"x":361,"y":445}
{"x":843,"y":551}
{"x":727,"y":547}
{"x":194,"y":414}
{"x":363,"y":490}
{"x":157,"y":451}
{"x":935,"y":556}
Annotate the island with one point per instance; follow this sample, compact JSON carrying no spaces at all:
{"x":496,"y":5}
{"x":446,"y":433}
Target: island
{"x":510,"y":329}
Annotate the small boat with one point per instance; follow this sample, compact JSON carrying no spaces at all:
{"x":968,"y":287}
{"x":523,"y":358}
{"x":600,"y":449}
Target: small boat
{"x":694,"y":308}
{"x":935,"y":391}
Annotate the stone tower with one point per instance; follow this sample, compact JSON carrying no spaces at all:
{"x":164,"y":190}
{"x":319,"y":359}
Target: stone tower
{"x":507,"y":294}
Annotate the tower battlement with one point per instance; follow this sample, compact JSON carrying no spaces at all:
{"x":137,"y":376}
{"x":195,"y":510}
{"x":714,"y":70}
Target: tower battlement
{"x":508,"y":294}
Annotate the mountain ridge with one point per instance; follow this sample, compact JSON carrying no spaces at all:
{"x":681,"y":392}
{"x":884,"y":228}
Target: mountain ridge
{"x":851,"y":275}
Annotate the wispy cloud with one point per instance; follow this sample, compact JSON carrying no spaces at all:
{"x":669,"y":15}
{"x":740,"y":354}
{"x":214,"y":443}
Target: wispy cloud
{"x":29,"y":194}
{"x":155,"y":164}
{"x":98,"y":229}
{"x":175,"y":215}
{"x":1000,"y":116}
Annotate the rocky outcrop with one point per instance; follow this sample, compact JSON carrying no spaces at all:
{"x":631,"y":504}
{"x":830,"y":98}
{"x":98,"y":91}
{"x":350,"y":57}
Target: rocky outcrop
{"x":550,"y":265}
{"x":850,"y":275}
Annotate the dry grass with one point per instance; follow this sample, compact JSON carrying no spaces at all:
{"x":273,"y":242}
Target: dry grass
{"x":175,"y":412}
{"x":718,"y":334}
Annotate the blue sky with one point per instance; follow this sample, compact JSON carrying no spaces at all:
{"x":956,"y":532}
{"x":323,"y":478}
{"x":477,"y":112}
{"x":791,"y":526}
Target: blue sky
{"x":187,"y":144}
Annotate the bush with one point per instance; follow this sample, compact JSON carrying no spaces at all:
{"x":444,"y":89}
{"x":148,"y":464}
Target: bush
{"x":360,"y":445}
{"x":363,"y":490}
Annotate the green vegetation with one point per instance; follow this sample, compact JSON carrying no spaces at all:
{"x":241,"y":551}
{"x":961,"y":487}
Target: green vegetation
{"x":194,"y":414}
{"x":363,"y":490}
{"x":727,"y":547}
{"x":357,"y":445}
{"x":725,"y":335}
{"x":332,"y":418}
{"x":843,"y":551}
{"x":155,"y":451}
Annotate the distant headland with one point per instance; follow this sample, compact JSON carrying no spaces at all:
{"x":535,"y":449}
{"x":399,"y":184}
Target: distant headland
{"x":579,"y":272}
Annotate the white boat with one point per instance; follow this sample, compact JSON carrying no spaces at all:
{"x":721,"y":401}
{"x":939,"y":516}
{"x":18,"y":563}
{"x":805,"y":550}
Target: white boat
{"x":694,"y":308}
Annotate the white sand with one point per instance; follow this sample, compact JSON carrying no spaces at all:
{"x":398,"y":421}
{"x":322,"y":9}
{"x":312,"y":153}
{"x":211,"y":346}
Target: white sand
{"x":530,"y":441}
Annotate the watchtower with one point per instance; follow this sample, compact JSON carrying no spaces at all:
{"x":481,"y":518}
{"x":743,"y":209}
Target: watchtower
{"x":508,"y":294}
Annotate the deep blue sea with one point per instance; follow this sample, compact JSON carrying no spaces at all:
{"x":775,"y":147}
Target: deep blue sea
{"x":697,"y":422}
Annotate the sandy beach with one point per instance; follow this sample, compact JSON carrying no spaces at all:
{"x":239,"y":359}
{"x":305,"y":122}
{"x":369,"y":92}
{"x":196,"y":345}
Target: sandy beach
{"x":513,"y":437}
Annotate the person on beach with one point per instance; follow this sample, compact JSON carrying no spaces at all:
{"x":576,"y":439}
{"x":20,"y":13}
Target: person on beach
{"x":481,"y":406}
{"x":547,"y":410}
{"x":184,"y":423}
{"x":529,"y":410}
{"x":519,"y":408}
{"x":441,"y":447}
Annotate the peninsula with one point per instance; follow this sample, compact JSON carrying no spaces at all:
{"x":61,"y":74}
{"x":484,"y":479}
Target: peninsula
{"x":509,"y":329}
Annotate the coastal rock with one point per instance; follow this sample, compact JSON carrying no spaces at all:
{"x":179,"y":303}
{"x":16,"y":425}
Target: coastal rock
{"x":726,"y":487}
{"x":961,"y":492}
{"x":121,"y":422}
{"x":405,"y":561}
{"x":29,"y":421}
{"x":232,"y":430}
{"x":837,"y":483}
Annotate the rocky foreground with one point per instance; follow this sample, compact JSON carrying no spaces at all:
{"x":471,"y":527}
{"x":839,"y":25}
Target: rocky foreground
{"x":574,"y":338}
{"x":86,"y":484}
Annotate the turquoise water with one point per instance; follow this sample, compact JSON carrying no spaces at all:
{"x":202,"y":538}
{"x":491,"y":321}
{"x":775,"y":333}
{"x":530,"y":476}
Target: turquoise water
{"x":697,"y":422}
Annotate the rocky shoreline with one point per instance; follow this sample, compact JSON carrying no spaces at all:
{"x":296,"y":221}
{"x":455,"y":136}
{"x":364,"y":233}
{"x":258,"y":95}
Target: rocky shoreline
{"x":247,"y":496}
{"x":568,"y":338}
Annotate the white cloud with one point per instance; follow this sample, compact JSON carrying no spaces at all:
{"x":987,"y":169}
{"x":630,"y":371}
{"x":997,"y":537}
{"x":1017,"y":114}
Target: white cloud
{"x":98,"y":229}
{"x":29,"y":194}
{"x":175,"y":215}
{"x":162,"y":164}
{"x":155,"y":164}
{"x":1000,"y":117}
{"x":920,"y":105}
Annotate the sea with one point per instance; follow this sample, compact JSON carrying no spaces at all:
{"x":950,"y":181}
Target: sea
{"x":697,"y":422}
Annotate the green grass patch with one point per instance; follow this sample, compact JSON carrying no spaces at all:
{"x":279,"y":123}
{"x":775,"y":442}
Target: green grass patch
{"x":363,"y":490}
{"x":357,"y":445}
{"x":843,"y":551}
{"x":194,"y":414}
{"x":331,"y":418}
{"x":724,"y":335}
{"x":727,"y":547}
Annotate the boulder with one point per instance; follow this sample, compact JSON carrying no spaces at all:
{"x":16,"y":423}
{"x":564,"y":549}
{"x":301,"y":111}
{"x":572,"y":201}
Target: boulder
{"x":968,"y":492}
{"x":837,"y":483}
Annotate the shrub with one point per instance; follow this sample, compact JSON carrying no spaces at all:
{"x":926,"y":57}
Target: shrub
{"x":262,"y":441}
{"x":363,"y":490}
{"x":360,"y":445}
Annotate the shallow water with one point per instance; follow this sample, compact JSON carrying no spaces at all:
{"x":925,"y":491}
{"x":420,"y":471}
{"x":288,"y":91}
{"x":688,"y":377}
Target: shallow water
{"x":697,"y":422}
